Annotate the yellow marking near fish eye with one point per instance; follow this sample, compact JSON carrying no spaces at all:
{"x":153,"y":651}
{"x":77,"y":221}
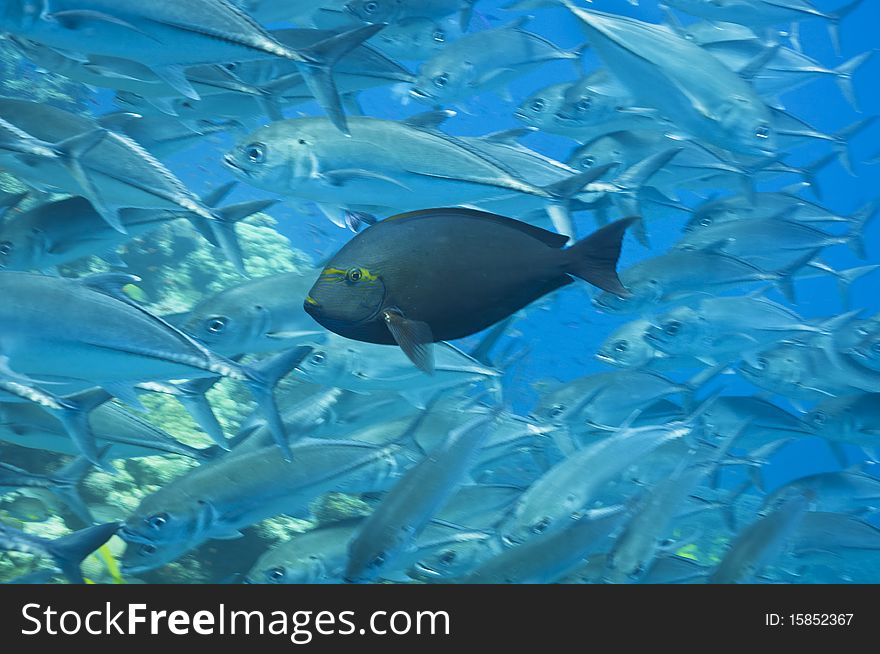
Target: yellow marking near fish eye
{"x":345,"y":275}
{"x":311,"y":301}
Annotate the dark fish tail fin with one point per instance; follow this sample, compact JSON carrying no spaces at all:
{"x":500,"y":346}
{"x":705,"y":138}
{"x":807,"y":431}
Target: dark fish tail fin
{"x":317,"y":65}
{"x":594,"y":259}
{"x":262,"y":379}
{"x":834,"y":20}
{"x":69,"y":551}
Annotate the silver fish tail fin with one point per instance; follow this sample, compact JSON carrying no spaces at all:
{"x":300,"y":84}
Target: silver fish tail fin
{"x":262,"y":379}
{"x":560,"y":194}
{"x":191,"y":395}
{"x":221,"y":230}
{"x":630,"y":183}
{"x":810,"y":172}
{"x":69,"y":478}
{"x":842,"y":139}
{"x":844,"y":77}
{"x":595,"y":258}
{"x":74,"y":416}
{"x":317,"y":65}
{"x":70,"y":551}
{"x":834,"y":20}
{"x":845,"y":278}
{"x":858,"y":222}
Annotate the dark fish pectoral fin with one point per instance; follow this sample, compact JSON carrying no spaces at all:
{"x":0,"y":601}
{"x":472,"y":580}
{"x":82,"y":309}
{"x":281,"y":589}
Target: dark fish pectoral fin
{"x":595,"y":258}
{"x":413,"y":337}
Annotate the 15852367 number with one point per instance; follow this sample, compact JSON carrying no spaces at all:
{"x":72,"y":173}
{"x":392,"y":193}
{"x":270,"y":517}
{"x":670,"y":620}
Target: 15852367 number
{"x":820,"y":619}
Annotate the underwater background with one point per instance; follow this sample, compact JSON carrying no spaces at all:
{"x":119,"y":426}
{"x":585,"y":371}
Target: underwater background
{"x":557,"y":338}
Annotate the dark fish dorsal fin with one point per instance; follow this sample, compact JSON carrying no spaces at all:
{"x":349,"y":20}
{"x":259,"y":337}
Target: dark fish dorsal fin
{"x":551,"y":239}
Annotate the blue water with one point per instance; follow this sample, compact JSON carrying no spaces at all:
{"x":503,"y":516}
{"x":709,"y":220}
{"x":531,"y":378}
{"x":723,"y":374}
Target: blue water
{"x":563,"y":335}
{"x":562,"y":342}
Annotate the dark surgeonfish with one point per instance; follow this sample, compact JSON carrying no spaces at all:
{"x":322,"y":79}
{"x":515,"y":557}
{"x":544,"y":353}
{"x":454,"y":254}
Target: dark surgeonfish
{"x":428,"y":276}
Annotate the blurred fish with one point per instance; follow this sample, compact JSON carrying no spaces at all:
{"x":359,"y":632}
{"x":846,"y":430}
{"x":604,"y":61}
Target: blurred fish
{"x":217,"y":500}
{"x":549,"y":557}
{"x":766,"y":13}
{"x":364,"y":367}
{"x":704,"y":98}
{"x":67,"y":552}
{"x":417,"y":38}
{"x":261,"y":315}
{"x":849,"y":419}
{"x":63,"y":484}
{"x":470,"y":65}
{"x":393,"y":11}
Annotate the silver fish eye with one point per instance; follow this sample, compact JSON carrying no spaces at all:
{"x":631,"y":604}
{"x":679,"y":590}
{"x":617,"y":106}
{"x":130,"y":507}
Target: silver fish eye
{"x":763,"y":131}
{"x":761,"y":363}
{"x":672,"y":327}
{"x":378,"y":562}
{"x":875,"y":348}
{"x":371,"y":7}
{"x":441,"y":80}
{"x":585,"y":104}
{"x":6,"y":248}
{"x":256,"y":152}
{"x":447,"y":557}
{"x":588,"y":162}
{"x":216,"y":324}
{"x":147,"y":550}
{"x":621,"y":346}
{"x":705,"y":222}
{"x":318,"y":358}
{"x":439,"y":36}
{"x":556,"y":410}
{"x":275,"y":574}
{"x":538,"y":105}
{"x":819,"y":418}
{"x":541,"y":526}
{"x":157,"y":521}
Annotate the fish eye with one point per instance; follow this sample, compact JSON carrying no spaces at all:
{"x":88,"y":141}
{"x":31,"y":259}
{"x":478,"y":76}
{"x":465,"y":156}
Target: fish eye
{"x":761,"y":363}
{"x":556,"y":410}
{"x":447,"y":557}
{"x":875,"y":348}
{"x":216,"y":325}
{"x":672,"y":327}
{"x":541,"y":526}
{"x":441,"y":80}
{"x":157,"y":521}
{"x":538,"y":105}
{"x":256,"y":152}
{"x":6,"y":248}
{"x":275,"y":574}
{"x":585,"y":104}
{"x":354,"y":275}
{"x":147,"y":550}
{"x":318,"y":358}
{"x":621,"y":346}
{"x":705,"y":222}
{"x":231,"y":66}
{"x":378,"y":562}
{"x":820,"y":418}
{"x":763,"y":131}
{"x":439,"y":36}
{"x":371,"y":7}
{"x":588,"y":162}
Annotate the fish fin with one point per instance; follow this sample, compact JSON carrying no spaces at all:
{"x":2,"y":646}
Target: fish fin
{"x":430,"y":119}
{"x":112,"y":284}
{"x":125,"y":394}
{"x":262,"y":379}
{"x":74,"y":416}
{"x":219,"y":194}
{"x":340,"y":177}
{"x":70,"y":551}
{"x":225,"y":236}
{"x":484,"y":348}
{"x":844,"y":77}
{"x":508,"y":136}
{"x":630,"y":183}
{"x":72,"y":19}
{"x":229,"y":535}
{"x":858,"y":222}
{"x":319,"y":59}
{"x":291,"y":335}
{"x":562,"y":193}
{"x":358,"y":220}
{"x":113,"y":259}
{"x":175,"y":77}
{"x":71,"y":476}
{"x":758,"y":64}
{"x":413,"y":337}
{"x":595,"y":258}
{"x":192,"y":397}
{"x":834,"y":20}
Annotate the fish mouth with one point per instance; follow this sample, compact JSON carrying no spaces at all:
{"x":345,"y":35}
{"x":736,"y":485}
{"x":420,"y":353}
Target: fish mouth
{"x":230,"y":162}
{"x":419,"y":94}
{"x":604,"y":358}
